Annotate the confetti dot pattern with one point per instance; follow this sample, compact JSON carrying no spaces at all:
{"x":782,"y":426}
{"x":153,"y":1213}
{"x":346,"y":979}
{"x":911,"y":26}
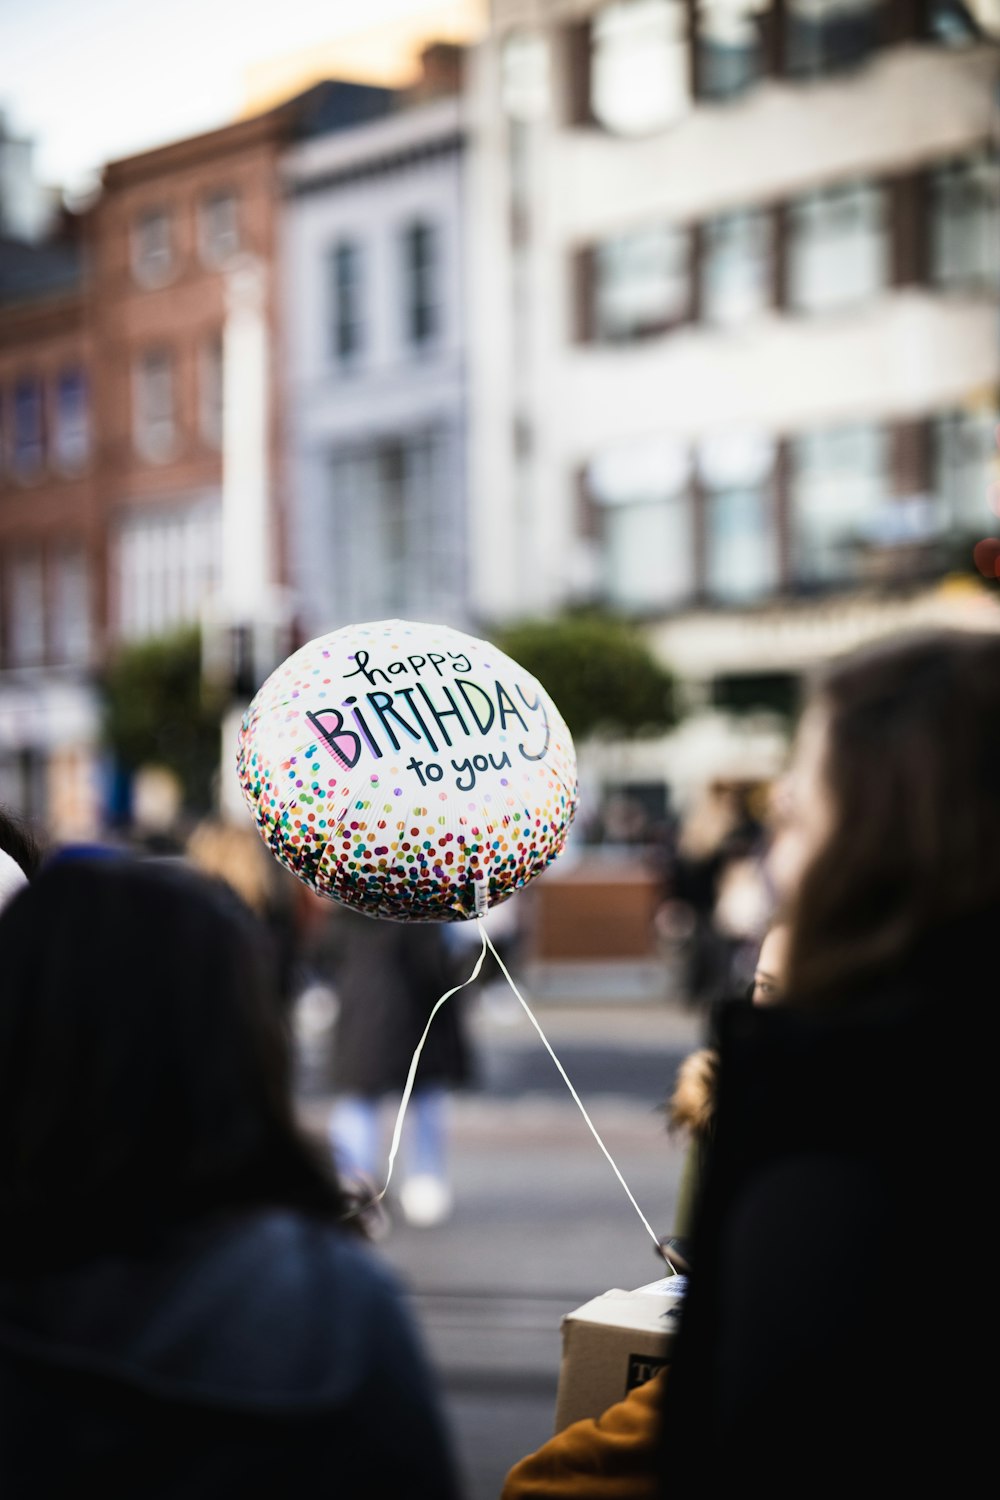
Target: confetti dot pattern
{"x":400,"y":768}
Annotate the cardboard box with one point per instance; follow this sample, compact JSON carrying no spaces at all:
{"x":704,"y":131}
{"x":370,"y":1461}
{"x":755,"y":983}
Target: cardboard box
{"x":613,"y":1343}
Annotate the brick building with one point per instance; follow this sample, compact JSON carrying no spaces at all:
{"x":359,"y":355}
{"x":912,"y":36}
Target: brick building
{"x":113,"y":424}
{"x":51,"y":548}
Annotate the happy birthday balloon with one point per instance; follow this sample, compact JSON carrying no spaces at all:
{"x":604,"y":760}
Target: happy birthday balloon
{"x":408,"y":770}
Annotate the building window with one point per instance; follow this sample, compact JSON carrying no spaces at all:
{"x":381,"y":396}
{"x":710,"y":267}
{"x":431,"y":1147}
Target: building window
{"x":641,"y":283}
{"x":395,"y":527}
{"x":154,"y":427}
{"x":730,"y":51}
{"x":737,"y":266}
{"x":219,"y":227}
{"x":525,"y":84}
{"x":421,"y":284}
{"x":741,"y":543}
{"x":347,"y":301}
{"x":642,"y":495}
{"x":169,"y":565}
{"x":210,"y":390}
{"x":838,"y":247}
{"x":26,"y":617}
{"x":70,"y":632}
{"x":152,"y":247}
{"x":839,"y":492}
{"x":964,"y":469}
{"x":826,"y":36}
{"x":963,"y":23}
{"x":965,"y":224}
{"x":28,"y":444}
{"x":640,"y":80}
{"x":71,"y":437}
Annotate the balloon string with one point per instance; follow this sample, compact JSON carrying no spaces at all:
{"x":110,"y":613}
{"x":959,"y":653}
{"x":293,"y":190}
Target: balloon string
{"x":415,"y":1061}
{"x":408,"y":1089}
{"x":487,"y":943}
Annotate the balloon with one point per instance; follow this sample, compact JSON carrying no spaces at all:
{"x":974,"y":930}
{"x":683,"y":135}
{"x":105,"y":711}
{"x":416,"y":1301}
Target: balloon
{"x":410,"y":771}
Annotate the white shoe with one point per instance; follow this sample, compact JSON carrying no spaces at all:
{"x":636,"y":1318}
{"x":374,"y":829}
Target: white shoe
{"x":425,"y":1200}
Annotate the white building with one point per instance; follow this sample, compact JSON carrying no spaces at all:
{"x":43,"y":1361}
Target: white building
{"x":737,"y":354}
{"x":375,"y":369}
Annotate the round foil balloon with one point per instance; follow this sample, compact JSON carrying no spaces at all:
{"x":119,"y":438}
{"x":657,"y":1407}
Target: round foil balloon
{"x":408,"y":770}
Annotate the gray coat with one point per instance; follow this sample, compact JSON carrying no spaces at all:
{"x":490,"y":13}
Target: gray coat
{"x":387,"y":977}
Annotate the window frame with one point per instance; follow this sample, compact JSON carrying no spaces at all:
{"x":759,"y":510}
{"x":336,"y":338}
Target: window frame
{"x":828,"y":59}
{"x":71,"y":454}
{"x":613,"y":58}
{"x":146,"y":270}
{"x":152,"y":446}
{"x":421,"y":278}
{"x":829,"y":198}
{"x":711,"y":89}
{"x":21,"y":652}
{"x":211,"y":254}
{"x":759,"y":220}
{"x":941,"y":217}
{"x":733,"y":465}
{"x":347,"y":301}
{"x":25,"y":467}
{"x":818,"y":579}
{"x":211,"y":388}
{"x":677,"y":250}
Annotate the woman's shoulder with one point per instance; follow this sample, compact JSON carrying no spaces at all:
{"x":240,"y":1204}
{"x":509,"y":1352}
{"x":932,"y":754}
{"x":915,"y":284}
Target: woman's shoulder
{"x":269,"y":1309}
{"x":305,"y":1295}
{"x":294,"y":1254}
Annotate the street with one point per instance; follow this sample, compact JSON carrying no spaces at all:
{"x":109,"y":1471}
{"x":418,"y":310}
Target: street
{"x":541,"y":1222}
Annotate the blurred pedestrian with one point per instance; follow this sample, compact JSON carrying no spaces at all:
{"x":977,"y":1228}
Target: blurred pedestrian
{"x":234,"y":853}
{"x":824,"y":1342}
{"x":187,"y":1308}
{"x":387,"y":977}
{"x":718,"y":882}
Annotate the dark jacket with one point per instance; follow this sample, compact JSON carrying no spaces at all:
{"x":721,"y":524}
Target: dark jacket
{"x":269,"y":1357}
{"x":838,"y":1307}
{"x":388,"y":977}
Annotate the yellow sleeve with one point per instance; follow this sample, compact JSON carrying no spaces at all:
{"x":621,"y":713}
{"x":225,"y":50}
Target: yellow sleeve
{"x":612,"y":1457}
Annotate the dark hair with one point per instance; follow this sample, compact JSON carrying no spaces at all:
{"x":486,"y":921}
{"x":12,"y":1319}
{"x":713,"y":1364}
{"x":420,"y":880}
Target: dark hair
{"x":912,"y":768}
{"x":145,"y":1070}
{"x":20,"y":843}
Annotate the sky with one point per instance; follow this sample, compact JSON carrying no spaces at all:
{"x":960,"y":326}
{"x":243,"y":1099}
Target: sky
{"x":94,"y":80}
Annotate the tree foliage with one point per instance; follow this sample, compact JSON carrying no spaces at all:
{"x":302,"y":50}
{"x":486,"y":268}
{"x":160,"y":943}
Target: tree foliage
{"x":158,"y":711}
{"x":598,"y":671}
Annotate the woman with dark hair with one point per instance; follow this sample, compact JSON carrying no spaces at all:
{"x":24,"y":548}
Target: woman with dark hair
{"x":827,"y":1343}
{"x":187,"y":1307}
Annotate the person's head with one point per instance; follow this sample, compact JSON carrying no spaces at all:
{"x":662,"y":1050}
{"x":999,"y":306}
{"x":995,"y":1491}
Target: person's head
{"x":892,"y":817}
{"x":145,"y":1075}
{"x":770,"y":968}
